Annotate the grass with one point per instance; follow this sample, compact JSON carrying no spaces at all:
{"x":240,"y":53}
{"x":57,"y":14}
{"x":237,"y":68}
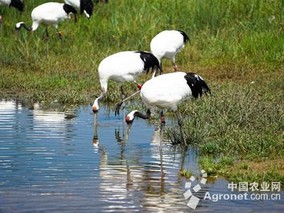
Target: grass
{"x":257,"y":170}
{"x":241,"y":123}
{"x":236,"y":45}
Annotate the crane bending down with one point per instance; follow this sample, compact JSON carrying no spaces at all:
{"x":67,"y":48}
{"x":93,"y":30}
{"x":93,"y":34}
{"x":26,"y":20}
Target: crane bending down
{"x":167,"y":44}
{"x":168,"y":91}
{"x":124,"y":66}
{"x":50,"y":13}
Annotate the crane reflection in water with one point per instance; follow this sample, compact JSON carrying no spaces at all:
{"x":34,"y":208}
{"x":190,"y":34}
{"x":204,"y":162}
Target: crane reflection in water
{"x":149,"y":172}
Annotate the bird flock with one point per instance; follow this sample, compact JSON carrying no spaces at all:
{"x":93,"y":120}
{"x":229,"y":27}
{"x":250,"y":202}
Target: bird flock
{"x":51,"y":13}
{"x":163,"y":91}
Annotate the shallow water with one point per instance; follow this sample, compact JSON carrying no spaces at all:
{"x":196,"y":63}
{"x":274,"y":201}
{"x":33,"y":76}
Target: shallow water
{"x":50,"y":161}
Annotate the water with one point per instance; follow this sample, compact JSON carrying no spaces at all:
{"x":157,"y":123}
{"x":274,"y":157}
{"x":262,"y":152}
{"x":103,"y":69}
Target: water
{"x":53,"y":161}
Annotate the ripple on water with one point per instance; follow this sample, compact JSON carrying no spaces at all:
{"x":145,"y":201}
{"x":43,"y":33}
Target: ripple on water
{"x":49,"y":163}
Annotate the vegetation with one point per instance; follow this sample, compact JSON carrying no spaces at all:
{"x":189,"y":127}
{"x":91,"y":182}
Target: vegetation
{"x":236,"y":45}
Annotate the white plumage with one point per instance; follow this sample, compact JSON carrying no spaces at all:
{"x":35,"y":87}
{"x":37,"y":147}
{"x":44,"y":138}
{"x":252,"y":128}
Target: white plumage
{"x":167,"y":44}
{"x":168,"y":91}
{"x":124,"y":66}
{"x":50,"y":13}
{"x":86,"y":6}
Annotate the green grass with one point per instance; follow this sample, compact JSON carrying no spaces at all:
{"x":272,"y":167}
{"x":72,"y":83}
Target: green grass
{"x":236,"y":45}
{"x":241,"y":122}
{"x":257,"y":170}
{"x":237,"y":119}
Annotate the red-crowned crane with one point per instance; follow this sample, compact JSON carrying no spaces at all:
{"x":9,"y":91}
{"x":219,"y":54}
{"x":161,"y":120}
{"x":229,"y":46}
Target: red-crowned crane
{"x":167,"y":44}
{"x":50,"y":13}
{"x":86,"y":6}
{"x":18,"y":4}
{"x":124,"y":66}
{"x":168,"y":91}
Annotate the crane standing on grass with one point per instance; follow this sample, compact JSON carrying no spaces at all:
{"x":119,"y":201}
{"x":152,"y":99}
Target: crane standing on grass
{"x":167,"y":44}
{"x":50,"y":13}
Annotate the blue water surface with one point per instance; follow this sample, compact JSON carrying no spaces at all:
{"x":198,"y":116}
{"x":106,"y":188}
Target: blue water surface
{"x":58,"y":161}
